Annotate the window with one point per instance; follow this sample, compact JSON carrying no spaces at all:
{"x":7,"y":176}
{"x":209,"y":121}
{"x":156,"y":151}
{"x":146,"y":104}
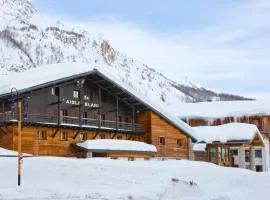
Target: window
{"x":42,"y":135}
{"x":162,"y":140}
{"x":64,"y":136}
{"x":259,"y":168}
{"x":119,"y":137}
{"x":179,"y":142}
{"x":247,"y":156}
{"x":103,"y":117}
{"x":76,"y":94}
{"x":86,"y":97}
{"x":258,"y":153}
{"x":83,"y":137}
{"x":55,"y":91}
{"x":119,"y":119}
{"x":126,"y":119}
{"x":212,"y":155}
{"x":234,"y":152}
{"x":84,"y":115}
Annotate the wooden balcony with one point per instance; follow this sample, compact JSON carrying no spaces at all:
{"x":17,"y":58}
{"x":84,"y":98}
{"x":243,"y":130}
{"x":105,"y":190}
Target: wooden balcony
{"x":68,"y":121}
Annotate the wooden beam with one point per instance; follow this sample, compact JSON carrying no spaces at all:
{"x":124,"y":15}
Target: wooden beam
{"x":113,"y":94}
{"x":101,"y":81}
{"x":111,"y":86}
{"x":130,"y":137}
{"x":133,"y":119}
{"x":55,"y":132}
{"x":117,"y":113}
{"x":114,"y":135}
{"x":76,"y":134}
{"x":99,"y":110}
{"x":4,"y":130}
{"x":97,"y":133}
{"x":80,"y":99}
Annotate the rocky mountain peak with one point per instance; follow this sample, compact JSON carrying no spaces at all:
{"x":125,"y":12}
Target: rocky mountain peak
{"x":16,"y":11}
{"x":25,"y":44}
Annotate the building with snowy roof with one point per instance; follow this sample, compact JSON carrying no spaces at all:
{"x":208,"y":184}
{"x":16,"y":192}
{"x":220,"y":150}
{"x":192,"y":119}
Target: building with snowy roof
{"x":217,"y":113}
{"x":71,"y":103}
{"x":234,"y":144}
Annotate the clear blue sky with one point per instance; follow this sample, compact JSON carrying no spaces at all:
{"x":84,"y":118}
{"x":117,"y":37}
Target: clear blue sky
{"x":221,"y":44}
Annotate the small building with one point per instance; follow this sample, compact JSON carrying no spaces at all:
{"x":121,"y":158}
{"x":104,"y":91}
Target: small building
{"x":235,"y":145}
{"x":71,"y":103}
{"x":117,"y":149}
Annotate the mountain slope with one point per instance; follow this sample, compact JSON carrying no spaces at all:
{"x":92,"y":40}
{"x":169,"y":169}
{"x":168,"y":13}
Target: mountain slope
{"x":27,"y":40}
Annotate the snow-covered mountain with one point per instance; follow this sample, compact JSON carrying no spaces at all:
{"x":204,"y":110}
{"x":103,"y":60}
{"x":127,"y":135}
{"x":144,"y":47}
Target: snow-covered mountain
{"x":27,"y":41}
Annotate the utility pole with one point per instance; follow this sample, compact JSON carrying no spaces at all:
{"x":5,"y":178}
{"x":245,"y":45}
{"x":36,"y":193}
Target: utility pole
{"x":20,"y":156}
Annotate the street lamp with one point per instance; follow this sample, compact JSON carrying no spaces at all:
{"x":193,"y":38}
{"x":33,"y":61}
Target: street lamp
{"x":14,"y":92}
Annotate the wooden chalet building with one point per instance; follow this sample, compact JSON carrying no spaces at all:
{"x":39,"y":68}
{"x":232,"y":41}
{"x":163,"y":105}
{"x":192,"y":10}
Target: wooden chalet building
{"x":62,"y":109}
{"x":233,"y":145}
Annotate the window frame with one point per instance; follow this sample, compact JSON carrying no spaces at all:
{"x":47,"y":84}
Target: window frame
{"x":76,"y":94}
{"x":179,"y":142}
{"x":162,"y":140}
{"x":42,"y":135}
{"x":256,"y":153}
{"x":64,"y":133}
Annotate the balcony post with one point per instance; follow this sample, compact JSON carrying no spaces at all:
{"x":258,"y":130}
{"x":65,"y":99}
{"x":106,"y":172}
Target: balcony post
{"x":117,"y":113}
{"x":81,"y":101}
{"x":58,"y":108}
{"x":99,"y":103}
{"x":133,"y":119}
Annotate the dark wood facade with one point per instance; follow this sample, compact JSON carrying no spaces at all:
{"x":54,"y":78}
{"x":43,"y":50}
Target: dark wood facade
{"x":86,"y":107}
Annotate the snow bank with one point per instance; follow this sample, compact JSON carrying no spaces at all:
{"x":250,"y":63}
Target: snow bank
{"x":117,"y":145}
{"x":226,"y":132}
{"x":9,"y":153}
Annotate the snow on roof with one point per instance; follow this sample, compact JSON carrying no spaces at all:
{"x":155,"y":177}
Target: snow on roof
{"x":221,"y":109}
{"x":56,"y":72}
{"x":227,"y":132}
{"x":199,"y":147}
{"x":9,"y":153}
{"x":117,"y":145}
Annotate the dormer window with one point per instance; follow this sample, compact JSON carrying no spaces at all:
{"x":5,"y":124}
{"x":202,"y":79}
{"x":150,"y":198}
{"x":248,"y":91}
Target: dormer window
{"x":55,"y":91}
{"x":76,"y":94}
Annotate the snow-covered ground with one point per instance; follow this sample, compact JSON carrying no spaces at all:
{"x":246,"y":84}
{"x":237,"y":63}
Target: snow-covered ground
{"x":105,"y":179}
{"x":9,"y":153}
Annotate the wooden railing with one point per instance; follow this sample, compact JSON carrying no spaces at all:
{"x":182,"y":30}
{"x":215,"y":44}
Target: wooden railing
{"x":73,"y":121}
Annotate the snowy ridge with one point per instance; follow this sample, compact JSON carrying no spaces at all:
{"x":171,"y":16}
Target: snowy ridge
{"x":27,"y":40}
{"x":227,"y":132}
{"x":117,"y":145}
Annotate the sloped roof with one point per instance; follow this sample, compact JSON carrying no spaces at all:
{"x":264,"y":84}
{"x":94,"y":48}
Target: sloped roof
{"x":52,"y":74}
{"x":227,"y":133}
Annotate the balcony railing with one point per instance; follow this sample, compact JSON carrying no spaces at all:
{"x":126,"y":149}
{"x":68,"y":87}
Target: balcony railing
{"x":73,"y":122}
